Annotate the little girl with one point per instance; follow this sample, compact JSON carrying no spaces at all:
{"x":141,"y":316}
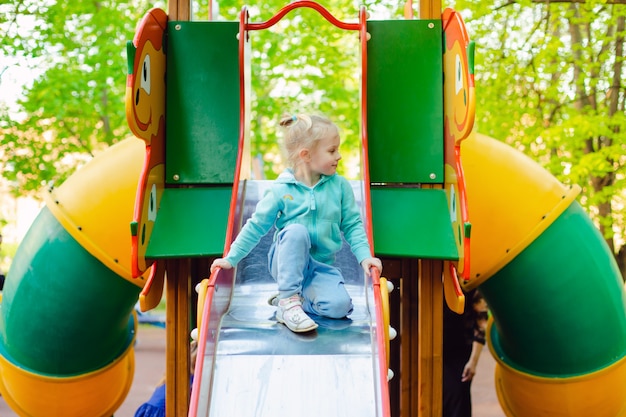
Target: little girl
{"x":310,"y":206}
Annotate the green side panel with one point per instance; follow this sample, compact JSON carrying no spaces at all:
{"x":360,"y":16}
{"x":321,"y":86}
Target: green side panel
{"x":63,"y":312}
{"x":202,"y":113}
{"x":191,"y":222}
{"x":412,"y":222}
{"x":559,"y":307}
{"x":405,"y":101}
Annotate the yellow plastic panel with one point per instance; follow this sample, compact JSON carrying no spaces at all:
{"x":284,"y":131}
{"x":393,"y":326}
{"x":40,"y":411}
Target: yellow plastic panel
{"x":95,"y":204}
{"x":511,"y":201}
{"x":96,"y":394}
{"x":598,"y":394}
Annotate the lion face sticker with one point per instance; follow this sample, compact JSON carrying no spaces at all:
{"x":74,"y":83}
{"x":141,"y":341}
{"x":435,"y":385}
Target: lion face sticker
{"x":145,"y":84}
{"x":459,"y":73}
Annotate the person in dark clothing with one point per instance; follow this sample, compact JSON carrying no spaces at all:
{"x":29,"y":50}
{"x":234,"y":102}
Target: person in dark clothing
{"x":463,"y":341}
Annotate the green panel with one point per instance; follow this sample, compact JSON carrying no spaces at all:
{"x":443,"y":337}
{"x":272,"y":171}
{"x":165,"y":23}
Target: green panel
{"x":63,"y":312}
{"x":412,"y":222}
{"x":202,"y":114}
{"x":559,"y":307}
{"x":191,"y":222}
{"x":405,"y":101}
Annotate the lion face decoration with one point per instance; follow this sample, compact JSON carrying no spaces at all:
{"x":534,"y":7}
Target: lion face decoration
{"x":145,"y":84}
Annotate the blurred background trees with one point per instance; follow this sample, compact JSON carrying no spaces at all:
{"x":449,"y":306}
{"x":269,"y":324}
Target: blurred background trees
{"x":74,"y":104}
{"x":548,"y":80}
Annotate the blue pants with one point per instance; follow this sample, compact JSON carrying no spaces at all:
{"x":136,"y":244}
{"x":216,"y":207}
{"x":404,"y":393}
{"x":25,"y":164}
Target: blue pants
{"x":296,"y":272}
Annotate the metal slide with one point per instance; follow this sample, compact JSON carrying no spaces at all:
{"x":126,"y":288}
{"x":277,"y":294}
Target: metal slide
{"x":251,"y":365}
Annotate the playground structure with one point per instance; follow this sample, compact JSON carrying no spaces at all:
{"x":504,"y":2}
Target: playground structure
{"x":553,"y":287}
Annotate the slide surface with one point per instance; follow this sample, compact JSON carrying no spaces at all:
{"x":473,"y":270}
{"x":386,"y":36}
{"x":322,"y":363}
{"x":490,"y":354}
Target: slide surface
{"x":254,"y":365}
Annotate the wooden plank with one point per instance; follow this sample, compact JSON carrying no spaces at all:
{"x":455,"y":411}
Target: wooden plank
{"x":415,"y":277}
{"x":182,"y":339}
{"x":179,"y":10}
{"x":425,"y":372}
{"x":409,"y":331}
{"x":437,"y":338}
{"x":430,"y":333}
{"x":177,"y":388}
{"x":430,"y":9}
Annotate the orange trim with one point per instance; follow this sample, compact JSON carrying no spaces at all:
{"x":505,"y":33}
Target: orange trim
{"x":206,"y":314}
{"x":369,"y":229}
{"x":378,"y":303}
{"x":464,"y":211}
{"x":381,"y":343}
{"x":152,"y":292}
{"x":139,"y":199}
{"x":243,"y":18}
{"x":454,"y":296}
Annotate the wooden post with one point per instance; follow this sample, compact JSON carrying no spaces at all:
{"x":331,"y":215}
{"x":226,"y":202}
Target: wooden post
{"x":418,"y":352}
{"x":177,"y":390}
{"x":179,"y":9}
{"x":409,"y":331}
{"x":430,"y":352}
{"x":430,"y":9}
{"x":430,"y":305}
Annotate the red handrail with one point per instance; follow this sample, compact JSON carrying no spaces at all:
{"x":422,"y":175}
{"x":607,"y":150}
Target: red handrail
{"x":378,"y":305}
{"x":381,"y":343}
{"x":202,"y":334}
{"x":303,"y":3}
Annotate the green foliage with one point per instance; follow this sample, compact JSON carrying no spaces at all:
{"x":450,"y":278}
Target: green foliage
{"x":303,"y":64}
{"x":548,"y":81}
{"x":76,"y":107}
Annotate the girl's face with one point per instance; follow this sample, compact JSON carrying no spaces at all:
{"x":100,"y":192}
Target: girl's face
{"x":325,"y":156}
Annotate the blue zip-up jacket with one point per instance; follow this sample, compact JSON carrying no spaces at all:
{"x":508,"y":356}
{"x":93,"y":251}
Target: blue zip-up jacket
{"x":327,"y":209}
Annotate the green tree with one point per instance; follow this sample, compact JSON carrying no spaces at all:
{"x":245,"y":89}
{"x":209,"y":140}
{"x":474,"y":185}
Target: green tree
{"x":76,"y":107}
{"x":549,"y":78}
{"x":550,"y":82}
{"x":302,"y":64}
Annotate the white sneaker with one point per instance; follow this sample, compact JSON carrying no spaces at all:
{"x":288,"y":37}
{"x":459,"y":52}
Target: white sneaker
{"x":290,"y":313}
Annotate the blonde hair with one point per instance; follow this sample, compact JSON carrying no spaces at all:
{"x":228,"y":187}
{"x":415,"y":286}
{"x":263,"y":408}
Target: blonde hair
{"x":304,"y":131}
